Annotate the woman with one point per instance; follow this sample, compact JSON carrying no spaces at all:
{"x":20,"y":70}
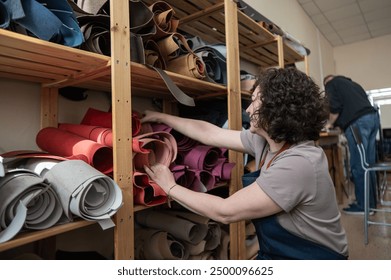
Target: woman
{"x":291,"y":198}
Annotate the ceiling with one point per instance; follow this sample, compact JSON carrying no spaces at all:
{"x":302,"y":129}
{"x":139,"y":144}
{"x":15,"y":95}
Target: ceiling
{"x":349,"y":21}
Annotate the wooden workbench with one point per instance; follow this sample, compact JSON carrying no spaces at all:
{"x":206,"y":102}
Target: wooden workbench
{"x":329,"y":141}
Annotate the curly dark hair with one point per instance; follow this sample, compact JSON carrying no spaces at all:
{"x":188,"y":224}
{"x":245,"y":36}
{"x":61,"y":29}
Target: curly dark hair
{"x":293,"y":108}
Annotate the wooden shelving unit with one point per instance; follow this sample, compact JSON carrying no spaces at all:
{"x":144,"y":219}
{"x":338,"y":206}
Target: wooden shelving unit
{"x":55,"y":66}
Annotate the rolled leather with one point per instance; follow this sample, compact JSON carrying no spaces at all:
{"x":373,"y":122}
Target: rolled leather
{"x":26,"y":201}
{"x":66,"y":144}
{"x":85,"y":192}
{"x":180,"y":228}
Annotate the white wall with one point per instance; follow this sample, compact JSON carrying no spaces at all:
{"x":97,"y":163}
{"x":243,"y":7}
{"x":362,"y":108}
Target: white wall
{"x":385,"y":116}
{"x":289,"y":16}
{"x":367,"y":62}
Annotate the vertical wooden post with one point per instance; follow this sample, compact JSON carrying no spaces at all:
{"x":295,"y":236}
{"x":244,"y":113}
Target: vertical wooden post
{"x":49,"y":107}
{"x":122,"y":126}
{"x":237,"y":230}
{"x":280,"y":47}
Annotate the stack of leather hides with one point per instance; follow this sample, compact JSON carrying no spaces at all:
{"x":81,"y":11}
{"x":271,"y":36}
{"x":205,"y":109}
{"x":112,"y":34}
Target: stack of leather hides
{"x":198,"y":167}
{"x":91,"y":140}
{"x":179,"y":235}
{"x":39,"y":190}
{"x":50,"y":20}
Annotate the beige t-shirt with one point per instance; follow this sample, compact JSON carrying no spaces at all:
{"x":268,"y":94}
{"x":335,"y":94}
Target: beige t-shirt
{"x":298,"y":181}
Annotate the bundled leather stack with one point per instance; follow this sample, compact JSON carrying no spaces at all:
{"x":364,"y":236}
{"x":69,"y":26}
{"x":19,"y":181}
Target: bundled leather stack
{"x":39,"y":190}
{"x":179,"y":235}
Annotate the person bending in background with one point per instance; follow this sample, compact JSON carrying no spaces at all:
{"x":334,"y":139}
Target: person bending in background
{"x":291,"y":198}
{"x":350,"y":106}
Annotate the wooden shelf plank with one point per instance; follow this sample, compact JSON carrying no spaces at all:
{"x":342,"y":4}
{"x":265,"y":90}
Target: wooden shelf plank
{"x":28,"y":237}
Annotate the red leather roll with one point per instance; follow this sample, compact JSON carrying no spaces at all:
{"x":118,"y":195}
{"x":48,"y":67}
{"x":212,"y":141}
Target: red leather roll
{"x":66,"y":144}
{"x":104,"y":119}
{"x":98,"y":134}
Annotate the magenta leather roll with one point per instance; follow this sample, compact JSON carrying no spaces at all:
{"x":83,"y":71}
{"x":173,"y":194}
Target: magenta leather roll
{"x":98,"y":134}
{"x":147,"y":192}
{"x":222,"y":170}
{"x":202,"y":157}
{"x":65,"y":144}
{"x":201,"y":180}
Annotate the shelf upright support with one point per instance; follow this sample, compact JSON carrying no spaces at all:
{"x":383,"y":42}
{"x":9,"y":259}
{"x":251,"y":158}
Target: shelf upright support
{"x":122,"y":126}
{"x":280,"y":48}
{"x":237,"y":230}
{"x":307,"y":65}
{"x":49,"y":107}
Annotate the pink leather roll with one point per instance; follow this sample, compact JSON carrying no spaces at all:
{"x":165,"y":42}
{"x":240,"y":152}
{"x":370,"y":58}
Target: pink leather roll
{"x":161,"y":146}
{"x":98,"y":134}
{"x":66,"y":144}
{"x":184,"y":143}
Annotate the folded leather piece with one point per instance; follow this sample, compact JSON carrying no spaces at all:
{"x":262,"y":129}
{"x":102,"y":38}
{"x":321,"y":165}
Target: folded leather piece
{"x":85,"y":192}
{"x":152,"y":244}
{"x":153,"y":55}
{"x":163,"y":16}
{"x":66,"y":144}
{"x":50,"y":20}
{"x":184,"y":143}
{"x":212,"y":238}
{"x":178,"y":227}
{"x":26,"y":200}
{"x":214,"y":57}
{"x":146,"y":191}
{"x":162,"y":149}
{"x":223,"y":250}
{"x":188,"y":65}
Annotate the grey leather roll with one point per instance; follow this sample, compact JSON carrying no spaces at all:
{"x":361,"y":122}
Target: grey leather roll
{"x":26,"y":201}
{"x":85,"y":192}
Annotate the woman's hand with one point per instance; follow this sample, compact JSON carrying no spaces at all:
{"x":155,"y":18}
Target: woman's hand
{"x":150,"y":116}
{"x":162,"y":175}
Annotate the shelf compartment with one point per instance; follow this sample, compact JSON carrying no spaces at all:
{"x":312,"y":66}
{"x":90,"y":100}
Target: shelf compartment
{"x":28,"y":237}
{"x":206,"y":20}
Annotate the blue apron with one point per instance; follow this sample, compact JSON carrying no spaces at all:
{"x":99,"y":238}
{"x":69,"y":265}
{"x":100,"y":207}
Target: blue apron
{"x":276,"y":243}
